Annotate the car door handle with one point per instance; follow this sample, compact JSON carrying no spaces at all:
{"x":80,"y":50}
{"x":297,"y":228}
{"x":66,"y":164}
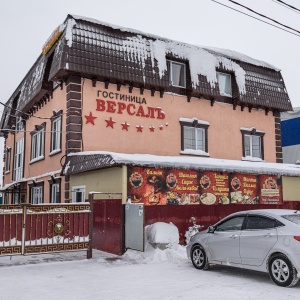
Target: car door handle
{"x":233,"y":236}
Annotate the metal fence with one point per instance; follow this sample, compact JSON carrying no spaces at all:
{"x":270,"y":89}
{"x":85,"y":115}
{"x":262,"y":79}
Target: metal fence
{"x":46,"y":228}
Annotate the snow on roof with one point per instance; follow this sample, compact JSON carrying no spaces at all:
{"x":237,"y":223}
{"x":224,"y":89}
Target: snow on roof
{"x":34,"y":178}
{"x":287,"y":115}
{"x":198,"y":163}
{"x":241,"y":57}
{"x":229,"y":53}
{"x":202,"y":60}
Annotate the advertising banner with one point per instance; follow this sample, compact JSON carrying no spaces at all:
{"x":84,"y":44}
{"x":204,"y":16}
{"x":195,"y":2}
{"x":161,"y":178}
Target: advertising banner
{"x":244,"y":189}
{"x":158,"y":186}
{"x":271,"y":192}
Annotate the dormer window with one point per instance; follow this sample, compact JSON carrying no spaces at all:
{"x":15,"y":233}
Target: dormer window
{"x":224,"y":81}
{"x":177,"y":73}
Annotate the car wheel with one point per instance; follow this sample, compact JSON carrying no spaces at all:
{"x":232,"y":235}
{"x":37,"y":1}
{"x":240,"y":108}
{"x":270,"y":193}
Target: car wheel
{"x":282,"y":272}
{"x":199,"y":259}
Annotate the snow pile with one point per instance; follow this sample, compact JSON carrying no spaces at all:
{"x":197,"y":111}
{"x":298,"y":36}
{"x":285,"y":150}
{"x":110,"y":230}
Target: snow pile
{"x":161,"y":246}
{"x":176,"y":254}
{"x":162,"y":233}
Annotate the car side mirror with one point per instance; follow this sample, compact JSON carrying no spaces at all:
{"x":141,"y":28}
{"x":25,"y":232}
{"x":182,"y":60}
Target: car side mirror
{"x":211,"y":229}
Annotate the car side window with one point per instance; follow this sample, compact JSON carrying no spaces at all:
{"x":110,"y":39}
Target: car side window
{"x":234,"y":223}
{"x":259,"y":222}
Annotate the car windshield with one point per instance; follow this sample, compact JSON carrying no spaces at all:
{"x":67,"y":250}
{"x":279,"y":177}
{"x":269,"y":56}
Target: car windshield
{"x":293,"y":218}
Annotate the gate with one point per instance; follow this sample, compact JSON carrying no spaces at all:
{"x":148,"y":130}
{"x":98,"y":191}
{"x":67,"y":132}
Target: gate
{"x":108,"y":224}
{"x":45,"y":228}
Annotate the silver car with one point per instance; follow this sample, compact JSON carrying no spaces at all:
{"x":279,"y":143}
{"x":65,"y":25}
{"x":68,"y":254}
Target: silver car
{"x":266,"y":240}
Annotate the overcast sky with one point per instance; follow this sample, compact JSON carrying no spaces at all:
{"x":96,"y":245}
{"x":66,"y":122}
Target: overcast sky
{"x":26,"y":24}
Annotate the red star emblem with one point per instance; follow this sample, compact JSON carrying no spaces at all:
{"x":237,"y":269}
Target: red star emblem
{"x":151,"y":128}
{"x":125,"y":126}
{"x":110,"y":123}
{"x":161,"y":127}
{"x":90,"y":119}
{"x":139,"y":128}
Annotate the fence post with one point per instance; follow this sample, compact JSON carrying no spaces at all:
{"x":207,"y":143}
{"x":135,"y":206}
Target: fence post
{"x":24,"y":208}
{"x":89,"y":253}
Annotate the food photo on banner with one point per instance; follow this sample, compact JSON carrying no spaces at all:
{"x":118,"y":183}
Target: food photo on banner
{"x":159,"y":186}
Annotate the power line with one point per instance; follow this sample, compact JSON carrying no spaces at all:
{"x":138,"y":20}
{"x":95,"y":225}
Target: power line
{"x":256,"y":18}
{"x":246,"y":7}
{"x":29,"y":115}
{"x":30,"y":131}
{"x":287,"y":5}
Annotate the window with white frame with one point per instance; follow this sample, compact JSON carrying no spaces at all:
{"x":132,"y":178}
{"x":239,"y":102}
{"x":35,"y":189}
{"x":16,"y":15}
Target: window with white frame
{"x":253,"y":143}
{"x":55,"y":193}
{"x":6,"y":198}
{"x":36,"y":194}
{"x":15,"y":197}
{"x":78,"y":194}
{"x":177,"y":73}
{"x":37,"y":143}
{"x":7,"y":160}
{"x":19,"y":157}
{"x":19,"y":124}
{"x":56,"y":135}
{"x":194,"y":136}
{"x":224,"y":81}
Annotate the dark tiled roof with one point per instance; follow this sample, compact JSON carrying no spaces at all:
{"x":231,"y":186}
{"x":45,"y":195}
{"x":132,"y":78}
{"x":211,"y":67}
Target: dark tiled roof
{"x":101,"y":51}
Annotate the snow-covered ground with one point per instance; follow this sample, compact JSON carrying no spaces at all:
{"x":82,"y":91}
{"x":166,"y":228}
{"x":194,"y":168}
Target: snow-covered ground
{"x":154,"y":274}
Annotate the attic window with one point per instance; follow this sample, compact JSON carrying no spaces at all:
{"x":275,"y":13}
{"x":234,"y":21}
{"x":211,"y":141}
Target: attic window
{"x":224,"y":81}
{"x":177,"y":73}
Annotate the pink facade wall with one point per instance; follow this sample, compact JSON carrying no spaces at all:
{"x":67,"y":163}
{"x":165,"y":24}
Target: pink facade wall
{"x":224,"y":136}
{"x":100,"y":106}
{"x":50,"y":163}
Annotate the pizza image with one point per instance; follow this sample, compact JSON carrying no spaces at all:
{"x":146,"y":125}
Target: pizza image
{"x":208,"y":198}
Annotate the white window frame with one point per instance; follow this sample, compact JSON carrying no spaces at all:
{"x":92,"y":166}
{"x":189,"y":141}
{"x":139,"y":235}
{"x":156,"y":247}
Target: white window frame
{"x":55,"y":192}
{"x":171,"y":62}
{"x":19,"y":158}
{"x":80,"y":189}
{"x":222,"y":92}
{"x":251,"y":145}
{"x":19,"y":124}
{"x":195,"y":129}
{"x":38,"y":145}
{"x":36,"y":194}
{"x":15,"y":198}
{"x":56,"y":135}
{"x":7,"y":160}
{"x":6,"y":198}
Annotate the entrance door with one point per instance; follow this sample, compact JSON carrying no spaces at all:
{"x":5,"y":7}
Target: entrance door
{"x":108,"y":226}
